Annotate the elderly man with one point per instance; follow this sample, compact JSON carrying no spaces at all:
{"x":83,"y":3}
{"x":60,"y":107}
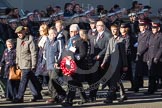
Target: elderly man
{"x":26,"y":61}
{"x":77,"y":50}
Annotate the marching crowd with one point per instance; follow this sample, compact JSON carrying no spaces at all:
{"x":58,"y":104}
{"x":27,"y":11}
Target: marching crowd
{"x":94,"y":46}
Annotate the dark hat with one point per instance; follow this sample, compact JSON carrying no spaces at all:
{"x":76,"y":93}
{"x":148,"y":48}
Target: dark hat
{"x":155,"y":24}
{"x":143,"y":23}
{"x":19,"y":29}
{"x":92,"y":21}
{"x":124,"y":25}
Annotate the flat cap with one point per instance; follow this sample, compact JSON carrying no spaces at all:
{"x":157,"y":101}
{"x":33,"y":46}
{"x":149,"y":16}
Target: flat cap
{"x":19,"y":29}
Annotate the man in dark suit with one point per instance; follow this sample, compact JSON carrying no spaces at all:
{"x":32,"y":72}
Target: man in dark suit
{"x":100,"y":45}
{"x":141,"y":57}
{"x":154,"y":56}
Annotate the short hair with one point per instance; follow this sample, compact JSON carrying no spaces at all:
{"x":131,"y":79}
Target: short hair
{"x":59,"y":21}
{"x":83,"y":35}
{"x":74,"y":27}
{"x":114,"y":26}
{"x":10,"y":41}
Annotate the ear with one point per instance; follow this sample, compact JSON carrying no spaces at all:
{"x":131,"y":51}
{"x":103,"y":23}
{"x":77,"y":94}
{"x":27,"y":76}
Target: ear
{"x":158,"y":28}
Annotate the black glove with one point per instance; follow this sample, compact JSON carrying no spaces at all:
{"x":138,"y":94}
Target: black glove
{"x":33,"y":69}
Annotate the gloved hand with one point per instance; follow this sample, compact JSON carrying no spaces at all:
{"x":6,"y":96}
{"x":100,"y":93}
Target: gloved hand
{"x":155,"y":60}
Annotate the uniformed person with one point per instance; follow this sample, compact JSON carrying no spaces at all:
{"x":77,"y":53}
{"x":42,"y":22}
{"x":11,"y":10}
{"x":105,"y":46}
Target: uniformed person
{"x":141,"y":57}
{"x":154,"y":56}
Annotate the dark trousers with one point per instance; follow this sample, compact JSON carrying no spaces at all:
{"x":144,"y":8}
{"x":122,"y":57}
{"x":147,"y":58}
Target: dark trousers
{"x":3,"y":88}
{"x":73,"y":85}
{"x":54,"y":85}
{"x":12,"y":88}
{"x":153,"y":75}
{"x":141,"y":70}
{"x":27,"y":75}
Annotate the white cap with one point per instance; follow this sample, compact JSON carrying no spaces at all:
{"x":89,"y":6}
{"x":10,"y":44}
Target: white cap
{"x":110,"y":14}
{"x":132,"y":14}
{"x":45,"y":19}
{"x":140,"y":12}
{"x":3,"y":17}
{"x":144,"y":10}
{"x":24,"y":17}
{"x":13,"y":20}
{"x":30,"y":13}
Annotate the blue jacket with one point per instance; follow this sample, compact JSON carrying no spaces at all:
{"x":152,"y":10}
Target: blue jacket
{"x":53,"y":51}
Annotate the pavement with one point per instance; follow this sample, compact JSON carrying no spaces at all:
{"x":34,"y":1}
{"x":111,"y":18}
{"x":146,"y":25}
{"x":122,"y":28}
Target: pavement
{"x":135,"y":100}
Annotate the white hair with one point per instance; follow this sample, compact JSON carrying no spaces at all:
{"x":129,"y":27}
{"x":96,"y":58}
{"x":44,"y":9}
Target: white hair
{"x":74,"y":27}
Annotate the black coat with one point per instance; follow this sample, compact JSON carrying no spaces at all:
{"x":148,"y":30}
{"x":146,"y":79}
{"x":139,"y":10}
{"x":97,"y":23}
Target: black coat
{"x":91,"y":33}
{"x":101,"y":45}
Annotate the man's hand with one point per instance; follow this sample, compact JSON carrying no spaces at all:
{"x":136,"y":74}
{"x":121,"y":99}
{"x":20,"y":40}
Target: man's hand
{"x":33,"y":69}
{"x":137,"y":57}
{"x":69,"y":57}
{"x":0,"y":69}
{"x":125,"y":69}
{"x":97,"y":57}
{"x":56,"y":66}
{"x":102,"y":66}
{"x":155,"y":60}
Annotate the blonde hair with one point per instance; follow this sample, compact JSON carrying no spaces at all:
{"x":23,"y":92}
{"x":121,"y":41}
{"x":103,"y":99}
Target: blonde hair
{"x":44,"y":28}
{"x":53,"y":28}
{"x":83,"y":35}
{"x":59,"y":21}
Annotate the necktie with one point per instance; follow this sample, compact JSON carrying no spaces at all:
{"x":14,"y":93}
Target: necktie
{"x":98,"y":37}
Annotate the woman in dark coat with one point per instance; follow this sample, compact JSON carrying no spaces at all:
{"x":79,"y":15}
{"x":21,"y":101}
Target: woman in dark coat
{"x":8,"y":60}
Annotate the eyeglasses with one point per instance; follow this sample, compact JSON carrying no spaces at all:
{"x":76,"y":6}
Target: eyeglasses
{"x":99,"y":25}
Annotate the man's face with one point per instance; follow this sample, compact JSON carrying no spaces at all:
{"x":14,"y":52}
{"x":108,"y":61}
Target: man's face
{"x":93,"y":26}
{"x":155,"y":30}
{"x":58,"y":27}
{"x":100,"y":26}
{"x":132,"y":18}
{"x":142,"y":28}
{"x":73,"y":33}
{"x":114,"y":31}
{"x":21,"y":34}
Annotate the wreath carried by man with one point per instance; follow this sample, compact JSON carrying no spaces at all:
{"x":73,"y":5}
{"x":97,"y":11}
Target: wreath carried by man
{"x":68,"y":66}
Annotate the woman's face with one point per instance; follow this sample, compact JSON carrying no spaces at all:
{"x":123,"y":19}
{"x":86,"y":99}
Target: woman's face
{"x":9,"y":45}
{"x":52,"y":34}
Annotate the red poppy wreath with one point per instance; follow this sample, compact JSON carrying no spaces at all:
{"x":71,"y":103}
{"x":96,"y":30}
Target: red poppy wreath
{"x":68,"y":70}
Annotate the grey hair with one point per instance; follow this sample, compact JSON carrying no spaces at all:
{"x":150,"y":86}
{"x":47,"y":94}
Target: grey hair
{"x":10,"y":41}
